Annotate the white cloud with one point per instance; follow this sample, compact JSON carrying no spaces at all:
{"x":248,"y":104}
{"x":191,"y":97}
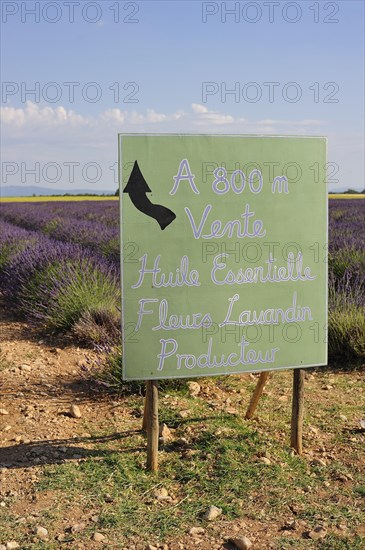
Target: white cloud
{"x":36,"y":117}
{"x":36,"y":133}
{"x":39,"y":117}
{"x":204,"y":116}
{"x":305,"y":122}
{"x":199,"y":108}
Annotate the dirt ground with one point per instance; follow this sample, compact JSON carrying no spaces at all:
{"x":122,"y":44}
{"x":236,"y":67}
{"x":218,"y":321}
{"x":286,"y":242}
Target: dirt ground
{"x":40,"y":380}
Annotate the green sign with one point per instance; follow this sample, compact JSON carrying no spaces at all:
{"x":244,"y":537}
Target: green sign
{"x":224,"y":243}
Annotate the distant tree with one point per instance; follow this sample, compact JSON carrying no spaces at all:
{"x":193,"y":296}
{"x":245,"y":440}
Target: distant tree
{"x":351,"y":192}
{"x":116,"y":194}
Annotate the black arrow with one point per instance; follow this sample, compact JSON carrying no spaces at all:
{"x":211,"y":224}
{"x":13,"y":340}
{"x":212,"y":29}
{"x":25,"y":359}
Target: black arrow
{"x":137,"y":187}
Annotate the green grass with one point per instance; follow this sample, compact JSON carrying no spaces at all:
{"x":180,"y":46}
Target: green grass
{"x":219,"y":465}
{"x":195,"y":484}
{"x":346,"y":332}
{"x":360,"y":490}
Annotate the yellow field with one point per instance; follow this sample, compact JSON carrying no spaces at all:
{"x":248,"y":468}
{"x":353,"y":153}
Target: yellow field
{"x":345,"y":196}
{"x":53,"y":198}
{"x":113,"y":198}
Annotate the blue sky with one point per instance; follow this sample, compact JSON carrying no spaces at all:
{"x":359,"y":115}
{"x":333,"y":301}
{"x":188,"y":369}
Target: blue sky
{"x":164,"y":55}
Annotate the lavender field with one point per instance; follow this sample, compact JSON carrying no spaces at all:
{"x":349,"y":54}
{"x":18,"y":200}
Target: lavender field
{"x":59,"y":267}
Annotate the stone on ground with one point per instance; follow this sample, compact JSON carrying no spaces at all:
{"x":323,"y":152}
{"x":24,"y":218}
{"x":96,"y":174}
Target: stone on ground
{"x":317,"y":533}
{"x":165,"y":433}
{"x":194,"y":389}
{"x":194,"y":531}
{"x":212,"y":513}
{"x":99,"y":537}
{"x":42,"y":533}
{"x":242,"y":543}
{"x":75,"y":411}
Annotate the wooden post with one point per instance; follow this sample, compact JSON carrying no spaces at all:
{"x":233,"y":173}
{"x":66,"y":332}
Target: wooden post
{"x":257,"y":394}
{"x":145,"y":411}
{"x":152,"y":425}
{"x":297,"y":411}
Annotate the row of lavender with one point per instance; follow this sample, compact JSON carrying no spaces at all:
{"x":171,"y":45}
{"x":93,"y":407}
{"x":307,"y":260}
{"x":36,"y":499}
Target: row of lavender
{"x":45,"y":249}
{"x":61,"y":286}
{"x":90,"y":224}
{"x":27,"y":213}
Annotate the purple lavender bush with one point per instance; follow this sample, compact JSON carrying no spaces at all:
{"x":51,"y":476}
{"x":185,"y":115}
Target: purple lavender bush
{"x":13,"y":239}
{"x":346,"y":285}
{"x":60,"y":286}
